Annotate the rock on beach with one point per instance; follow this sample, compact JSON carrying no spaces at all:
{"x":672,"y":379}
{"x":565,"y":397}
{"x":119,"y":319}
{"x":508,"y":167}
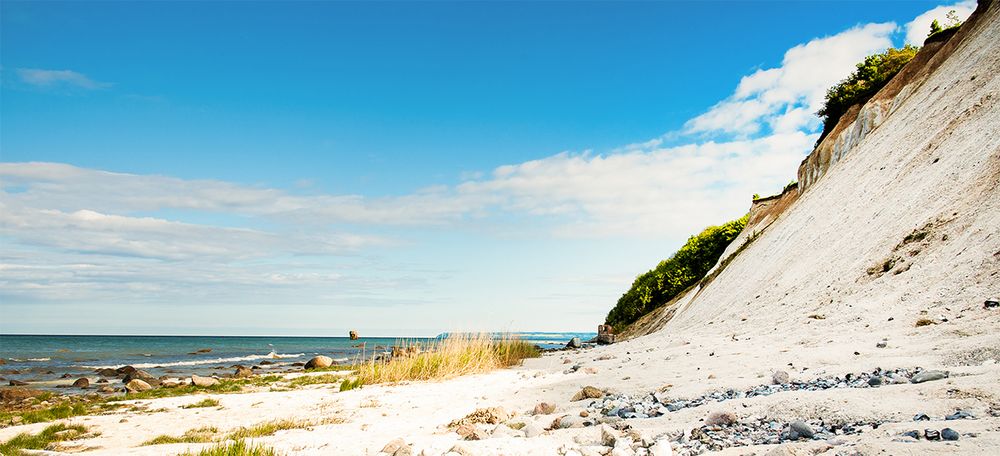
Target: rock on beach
{"x":318,"y":362}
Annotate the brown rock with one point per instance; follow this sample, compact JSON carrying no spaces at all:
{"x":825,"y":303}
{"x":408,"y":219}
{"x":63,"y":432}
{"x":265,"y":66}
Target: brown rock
{"x":82,"y":382}
{"x":242,"y":372}
{"x":106,"y":372}
{"x":17,"y":394}
{"x":105,"y":389}
{"x":588,"y":392}
{"x":17,"y":383}
{"x":319,"y":362}
{"x":544,"y":408}
{"x":471,"y":432}
{"x":3,"y":361}
{"x":721,"y":419}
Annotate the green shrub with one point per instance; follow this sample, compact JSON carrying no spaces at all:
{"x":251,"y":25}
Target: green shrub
{"x":675,"y":274}
{"x":870,"y":76}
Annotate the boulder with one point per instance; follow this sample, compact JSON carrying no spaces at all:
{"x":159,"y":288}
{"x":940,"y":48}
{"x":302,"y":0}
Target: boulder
{"x":81,"y":382}
{"x":242,"y":372}
{"x":574,"y":343}
{"x":124,"y":370}
{"x":544,"y":408}
{"x":106,"y":372}
{"x":319,"y":361}
{"x":137,"y":386}
{"x":17,"y":394}
{"x":588,"y":392}
{"x":204,"y":382}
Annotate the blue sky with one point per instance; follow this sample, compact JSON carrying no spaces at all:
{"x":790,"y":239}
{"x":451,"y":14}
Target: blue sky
{"x":397,"y":168}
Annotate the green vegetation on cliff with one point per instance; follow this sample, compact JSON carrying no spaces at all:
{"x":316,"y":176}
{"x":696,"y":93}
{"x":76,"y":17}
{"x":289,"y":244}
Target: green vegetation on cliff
{"x":673,"y":275}
{"x":870,"y":76}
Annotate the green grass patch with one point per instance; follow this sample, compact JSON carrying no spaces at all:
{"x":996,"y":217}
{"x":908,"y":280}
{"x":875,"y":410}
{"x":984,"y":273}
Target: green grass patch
{"x":224,"y":386}
{"x":267,"y":428}
{"x":237,"y":448}
{"x":49,"y":435}
{"x":349,"y":384}
{"x":55,"y":412}
{"x":334,"y":368}
{"x":315,"y":380}
{"x":208,"y":402}
{"x":199,"y":435}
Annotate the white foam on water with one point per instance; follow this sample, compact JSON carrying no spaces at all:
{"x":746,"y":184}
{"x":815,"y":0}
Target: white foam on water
{"x":199,"y":362}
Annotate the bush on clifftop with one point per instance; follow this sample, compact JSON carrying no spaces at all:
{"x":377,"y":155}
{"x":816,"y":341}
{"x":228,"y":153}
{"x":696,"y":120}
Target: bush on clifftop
{"x":675,"y":274}
{"x":870,"y":76}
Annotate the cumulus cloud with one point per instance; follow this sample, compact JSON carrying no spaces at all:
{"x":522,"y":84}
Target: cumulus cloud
{"x":917,"y":29}
{"x":59,"y":78}
{"x":784,"y":98}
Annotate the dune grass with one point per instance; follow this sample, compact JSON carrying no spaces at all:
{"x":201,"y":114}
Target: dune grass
{"x":207,"y":402}
{"x":49,"y":435}
{"x":237,"y":448}
{"x":268,"y":428}
{"x":456,"y":355}
{"x":199,"y":435}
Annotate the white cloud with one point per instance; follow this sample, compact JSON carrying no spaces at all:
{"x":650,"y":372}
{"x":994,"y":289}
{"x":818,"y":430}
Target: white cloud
{"x":57,"y":78}
{"x":917,"y":29}
{"x":782,"y":97}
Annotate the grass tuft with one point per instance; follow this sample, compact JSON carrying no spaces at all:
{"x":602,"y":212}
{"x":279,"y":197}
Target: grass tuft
{"x":207,"y":402}
{"x":315,"y":380}
{"x":454,"y":356}
{"x":199,"y":435}
{"x":237,"y":448}
{"x":349,"y":384}
{"x":267,"y":428}
{"x":49,"y":435}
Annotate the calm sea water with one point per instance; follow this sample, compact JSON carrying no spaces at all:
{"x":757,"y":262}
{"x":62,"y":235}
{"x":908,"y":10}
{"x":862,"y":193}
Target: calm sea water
{"x":42,"y":359}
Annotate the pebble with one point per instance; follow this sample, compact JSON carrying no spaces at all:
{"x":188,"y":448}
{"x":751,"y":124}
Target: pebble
{"x":949,"y":434}
{"x":960,"y":415}
{"x":921,"y":417}
{"x":799,"y":429}
{"x":931,"y":434}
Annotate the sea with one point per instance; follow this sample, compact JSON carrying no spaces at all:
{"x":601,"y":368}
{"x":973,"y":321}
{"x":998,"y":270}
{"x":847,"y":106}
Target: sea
{"x":52,"y":360}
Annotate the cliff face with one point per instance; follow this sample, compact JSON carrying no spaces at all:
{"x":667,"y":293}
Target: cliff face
{"x":920,"y":160}
{"x":923,"y":155}
{"x":859,"y":121}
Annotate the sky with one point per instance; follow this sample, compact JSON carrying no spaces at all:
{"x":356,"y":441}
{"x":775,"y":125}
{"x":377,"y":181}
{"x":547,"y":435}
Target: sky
{"x":401,"y":169}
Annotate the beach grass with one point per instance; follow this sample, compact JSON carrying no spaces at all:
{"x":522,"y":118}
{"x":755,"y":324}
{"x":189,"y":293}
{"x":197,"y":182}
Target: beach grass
{"x":457,"y":355}
{"x":315,"y":380}
{"x":268,"y":428}
{"x":49,"y":435}
{"x":199,"y":435}
{"x":237,"y":448}
{"x":55,"y":412}
{"x":207,"y":402}
{"x":349,"y":384}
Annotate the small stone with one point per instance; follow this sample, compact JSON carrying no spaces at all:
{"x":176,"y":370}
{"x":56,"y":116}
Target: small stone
{"x":608,"y":436}
{"x":721,"y":418}
{"x":949,"y":434}
{"x":959,"y":415}
{"x":532,"y":430}
{"x":914,"y":434}
{"x":875,"y":381}
{"x":882,"y":344}
{"x":931,"y":434}
{"x":588,"y":392}
{"x":780,"y":378}
{"x":544,"y":408}
{"x":921,"y":417}
{"x":802,"y":429}
{"x":243,"y":372}
{"x":991,"y":303}
{"x":394,"y":445}
{"x":928,"y":376}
